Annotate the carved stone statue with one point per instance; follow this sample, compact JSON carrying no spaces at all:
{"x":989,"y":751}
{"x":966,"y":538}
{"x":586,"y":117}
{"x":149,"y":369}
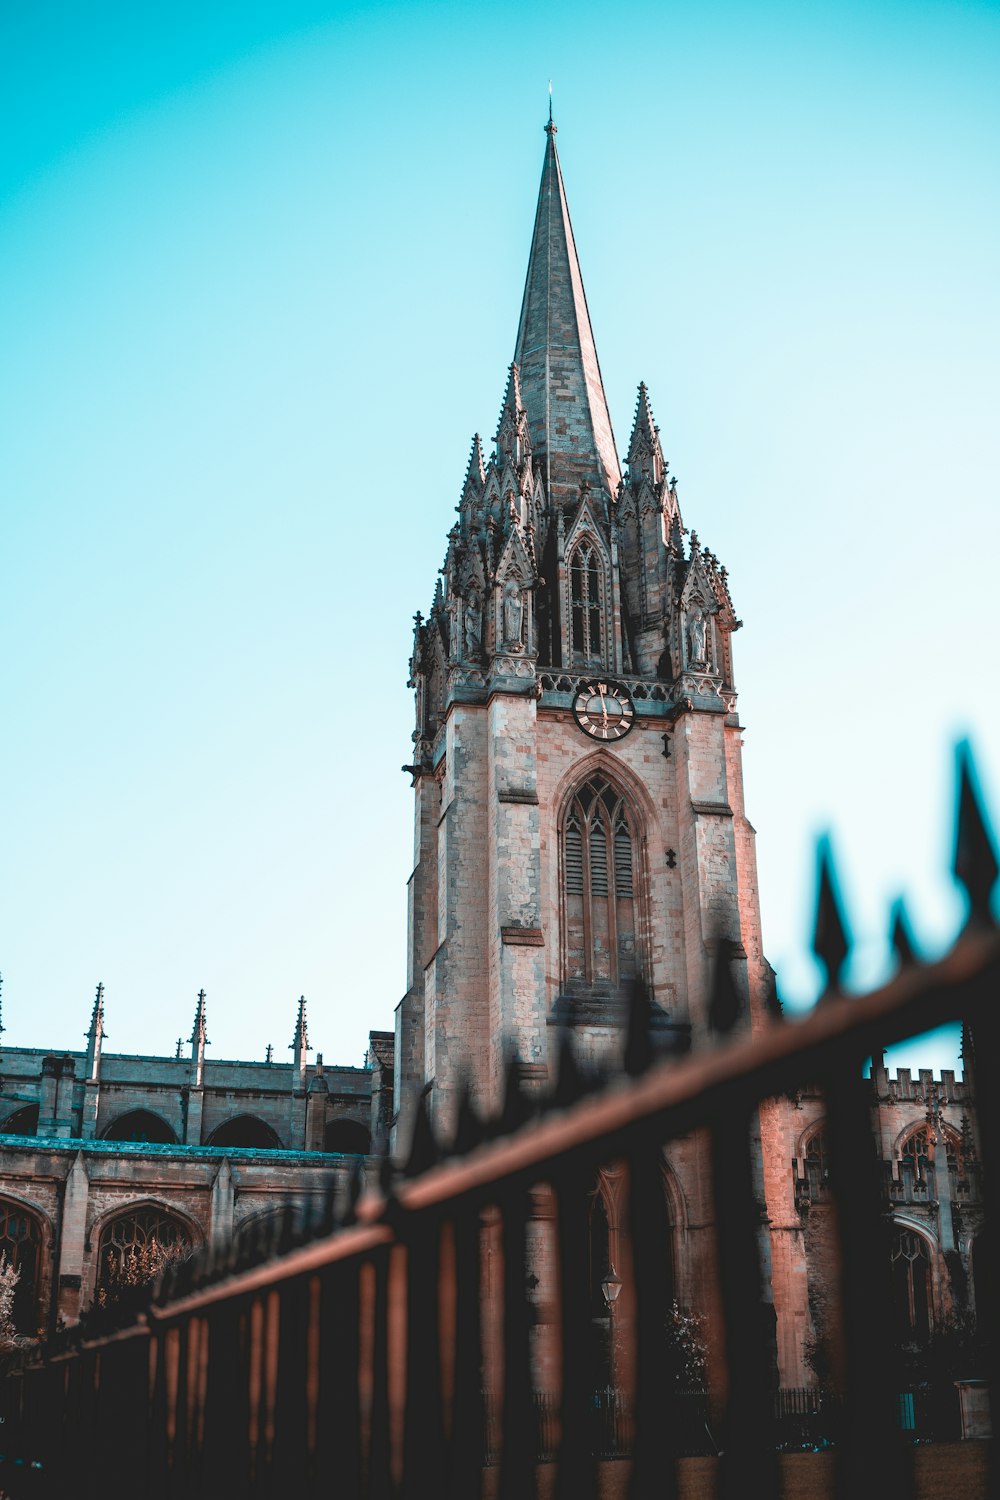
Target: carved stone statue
{"x":473,"y":627}
{"x":513,"y":612}
{"x":697,"y":634}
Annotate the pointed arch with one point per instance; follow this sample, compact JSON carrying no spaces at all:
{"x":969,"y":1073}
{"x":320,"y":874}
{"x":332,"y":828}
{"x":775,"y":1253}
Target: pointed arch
{"x":346,"y":1137}
{"x":140,"y":1125}
{"x":21,"y":1236}
{"x":136,"y":1242}
{"x":248,"y":1132}
{"x":912,"y":1253}
{"x":588,"y":594}
{"x":601,"y":867}
{"x":23,"y":1121}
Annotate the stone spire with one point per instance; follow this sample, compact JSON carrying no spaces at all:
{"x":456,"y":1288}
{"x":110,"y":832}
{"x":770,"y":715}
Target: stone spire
{"x":561,"y":382}
{"x":199,"y":1041}
{"x":95,"y":1035}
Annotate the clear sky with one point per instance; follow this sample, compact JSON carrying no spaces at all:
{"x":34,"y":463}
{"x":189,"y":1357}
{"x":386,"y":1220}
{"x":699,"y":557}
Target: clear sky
{"x":262,"y":265}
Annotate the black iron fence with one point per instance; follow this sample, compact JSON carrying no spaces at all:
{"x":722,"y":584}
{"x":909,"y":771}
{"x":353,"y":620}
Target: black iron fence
{"x":357,"y":1355}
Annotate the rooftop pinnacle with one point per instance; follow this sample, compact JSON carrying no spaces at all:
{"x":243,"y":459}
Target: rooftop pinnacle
{"x":561,"y":384}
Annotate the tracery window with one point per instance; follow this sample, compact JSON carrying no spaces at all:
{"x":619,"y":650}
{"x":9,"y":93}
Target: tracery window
{"x":135,"y":1247}
{"x":911,"y":1279}
{"x":599,"y":888}
{"x":916,"y":1150}
{"x":816,"y":1164}
{"x":21,"y":1244}
{"x":586,"y":578}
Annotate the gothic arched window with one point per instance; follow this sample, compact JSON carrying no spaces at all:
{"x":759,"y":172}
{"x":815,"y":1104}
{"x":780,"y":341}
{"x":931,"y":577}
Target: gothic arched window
{"x":21,"y":1245}
{"x":918,"y":1153}
{"x":911,"y":1280}
{"x":136,"y":1246}
{"x":586,"y":586}
{"x":816,"y":1164}
{"x":246,"y":1131}
{"x":599,"y":888}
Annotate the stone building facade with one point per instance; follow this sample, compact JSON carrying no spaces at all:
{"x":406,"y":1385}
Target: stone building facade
{"x":110,"y":1161}
{"x":580,"y":824}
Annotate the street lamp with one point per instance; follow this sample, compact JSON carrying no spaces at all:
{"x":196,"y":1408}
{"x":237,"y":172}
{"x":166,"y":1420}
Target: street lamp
{"x":611,"y":1286}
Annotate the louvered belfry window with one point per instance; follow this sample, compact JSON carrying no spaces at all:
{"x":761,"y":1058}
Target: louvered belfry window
{"x":587,"y":599}
{"x":598,"y":835}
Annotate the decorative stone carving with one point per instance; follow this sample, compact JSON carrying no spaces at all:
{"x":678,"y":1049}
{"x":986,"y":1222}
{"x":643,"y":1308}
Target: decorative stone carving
{"x":473,"y":627}
{"x":697,"y":638}
{"x":513,"y":613}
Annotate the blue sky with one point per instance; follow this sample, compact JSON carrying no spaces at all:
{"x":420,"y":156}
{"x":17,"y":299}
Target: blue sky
{"x":263,"y":266}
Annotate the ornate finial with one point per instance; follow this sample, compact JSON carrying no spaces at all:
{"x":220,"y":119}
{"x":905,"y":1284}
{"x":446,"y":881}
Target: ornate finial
{"x":269,"y":1054}
{"x":198,"y":1030}
{"x":300,"y":1041}
{"x":551,"y":128}
{"x":180,"y":1044}
{"x":97,"y":1015}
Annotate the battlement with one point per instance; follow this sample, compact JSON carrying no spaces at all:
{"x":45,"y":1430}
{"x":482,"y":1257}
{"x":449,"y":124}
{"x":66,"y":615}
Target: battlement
{"x":902,"y":1086}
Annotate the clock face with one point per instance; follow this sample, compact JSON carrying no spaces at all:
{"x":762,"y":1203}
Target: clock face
{"x":604,"y":710}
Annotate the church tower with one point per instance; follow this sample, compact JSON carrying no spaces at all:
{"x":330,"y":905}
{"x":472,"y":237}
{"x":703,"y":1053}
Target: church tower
{"x":577,"y":760}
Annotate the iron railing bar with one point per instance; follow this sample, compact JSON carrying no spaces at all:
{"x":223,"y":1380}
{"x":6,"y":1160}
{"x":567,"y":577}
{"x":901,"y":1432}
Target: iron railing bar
{"x":872,"y":1459}
{"x":676,"y":1095}
{"x":671,"y":1098}
{"x":749,"y":1463}
{"x":342,"y":1245}
{"x":519,"y":1423}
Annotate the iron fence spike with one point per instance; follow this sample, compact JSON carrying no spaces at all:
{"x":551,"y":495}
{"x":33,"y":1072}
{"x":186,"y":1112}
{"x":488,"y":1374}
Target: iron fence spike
{"x":975,"y":864}
{"x":424,"y":1152}
{"x":830,"y":943}
{"x":516,"y":1109}
{"x":724,"y":1004}
{"x":901,"y":933}
{"x":570,"y":1083}
{"x":469,"y":1130}
{"x":639,"y":1030}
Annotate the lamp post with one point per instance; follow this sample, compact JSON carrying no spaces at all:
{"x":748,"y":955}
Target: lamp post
{"x":611,"y":1286}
